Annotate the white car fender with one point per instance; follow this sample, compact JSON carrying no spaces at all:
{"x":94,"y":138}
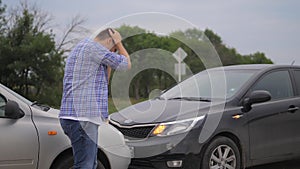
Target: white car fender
{"x":112,"y":142}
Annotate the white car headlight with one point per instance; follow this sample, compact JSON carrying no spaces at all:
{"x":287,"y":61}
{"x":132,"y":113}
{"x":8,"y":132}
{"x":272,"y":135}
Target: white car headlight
{"x":175,"y":127}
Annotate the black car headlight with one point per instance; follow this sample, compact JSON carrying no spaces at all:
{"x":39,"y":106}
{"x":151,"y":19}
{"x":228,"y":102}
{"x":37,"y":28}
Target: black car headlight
{"x":175,"y":127}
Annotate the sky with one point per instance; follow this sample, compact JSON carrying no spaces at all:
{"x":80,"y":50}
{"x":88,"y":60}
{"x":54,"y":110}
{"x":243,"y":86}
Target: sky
{"x":269,"y":26}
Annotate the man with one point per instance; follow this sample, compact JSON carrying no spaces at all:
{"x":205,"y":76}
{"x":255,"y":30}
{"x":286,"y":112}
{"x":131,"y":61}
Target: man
{"x":84,"y":104}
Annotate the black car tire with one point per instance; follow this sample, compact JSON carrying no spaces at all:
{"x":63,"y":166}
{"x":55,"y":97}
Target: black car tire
{"x":230,"y":154}
{"x":67,"y":163}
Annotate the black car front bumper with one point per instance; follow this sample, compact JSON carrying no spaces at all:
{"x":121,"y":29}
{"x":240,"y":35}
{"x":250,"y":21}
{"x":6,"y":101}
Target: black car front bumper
{"x":190,"y":161}
{"x":154,"y":153}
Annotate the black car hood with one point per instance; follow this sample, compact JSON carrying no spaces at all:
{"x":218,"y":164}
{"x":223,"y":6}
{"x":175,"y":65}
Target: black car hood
{"x":157,"y":111}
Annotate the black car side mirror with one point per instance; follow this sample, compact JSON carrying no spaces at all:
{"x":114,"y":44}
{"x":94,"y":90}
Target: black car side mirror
{"x":257,"y":96}
{"x":12,"y":110}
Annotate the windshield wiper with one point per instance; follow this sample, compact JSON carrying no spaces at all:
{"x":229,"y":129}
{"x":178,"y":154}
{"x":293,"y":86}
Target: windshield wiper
{"x":202,"y":99}
{"x":34,"y":103}
{"x":159,"y":98}
{"x":41,"y":106}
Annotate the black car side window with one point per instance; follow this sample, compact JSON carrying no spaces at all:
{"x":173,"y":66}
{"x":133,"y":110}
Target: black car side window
{"x":297,"y":79}
{"x":277,"y":83}
{"x":2,"y":106}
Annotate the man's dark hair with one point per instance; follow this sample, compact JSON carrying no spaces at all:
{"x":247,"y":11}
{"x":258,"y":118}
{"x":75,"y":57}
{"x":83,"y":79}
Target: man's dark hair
{"x":104,"y":34}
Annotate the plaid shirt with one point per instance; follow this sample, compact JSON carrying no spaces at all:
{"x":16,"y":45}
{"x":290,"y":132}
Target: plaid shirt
{"x":85,"y":85}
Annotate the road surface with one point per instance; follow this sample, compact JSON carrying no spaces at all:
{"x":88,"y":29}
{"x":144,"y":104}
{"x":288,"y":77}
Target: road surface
{"x":283,"y":165}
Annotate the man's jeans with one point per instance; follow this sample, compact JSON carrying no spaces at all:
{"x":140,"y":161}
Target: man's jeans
{"x":83,"y":136}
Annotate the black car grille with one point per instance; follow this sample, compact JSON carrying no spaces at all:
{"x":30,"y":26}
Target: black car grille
{"x":135,"y":132}
{"x":140,"y":164}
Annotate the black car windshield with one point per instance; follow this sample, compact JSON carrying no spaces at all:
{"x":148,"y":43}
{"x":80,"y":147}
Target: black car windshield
{"x":210,"y":84}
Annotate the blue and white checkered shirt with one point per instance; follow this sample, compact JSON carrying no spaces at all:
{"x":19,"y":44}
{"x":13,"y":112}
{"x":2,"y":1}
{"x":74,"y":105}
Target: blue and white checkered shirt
{"x":85,"y":85}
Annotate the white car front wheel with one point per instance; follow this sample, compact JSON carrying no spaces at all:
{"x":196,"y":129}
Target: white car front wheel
{"x":67,"y":163}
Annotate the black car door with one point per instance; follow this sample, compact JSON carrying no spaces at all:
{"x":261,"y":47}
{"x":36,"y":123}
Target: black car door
{"x":272,"y":125}
{"x":296,"y":75}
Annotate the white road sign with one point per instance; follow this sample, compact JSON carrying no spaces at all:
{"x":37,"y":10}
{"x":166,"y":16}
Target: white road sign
{"x":179,"y":54}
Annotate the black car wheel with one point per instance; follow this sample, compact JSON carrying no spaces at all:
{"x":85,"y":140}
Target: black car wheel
{"x":67,"y":163}
{"x":221,"y":153}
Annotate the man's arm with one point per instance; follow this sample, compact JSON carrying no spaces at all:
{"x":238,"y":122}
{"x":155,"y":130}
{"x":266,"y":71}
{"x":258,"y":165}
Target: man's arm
{"x":108,"y":73}
{"x":123,"y":51}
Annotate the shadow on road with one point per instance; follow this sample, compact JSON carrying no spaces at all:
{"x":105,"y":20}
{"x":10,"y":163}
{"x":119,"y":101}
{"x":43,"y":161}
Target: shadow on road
{"x":283,"y":165}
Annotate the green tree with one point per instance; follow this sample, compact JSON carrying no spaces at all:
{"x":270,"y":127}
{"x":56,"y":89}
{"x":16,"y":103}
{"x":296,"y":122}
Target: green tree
{"x":33,"y":65}
{"x":2,"y":18}
{"x":3,"y":45}
{"x":195,"y":43}
{"x":256,"y":58}
{"x":230,"y":56}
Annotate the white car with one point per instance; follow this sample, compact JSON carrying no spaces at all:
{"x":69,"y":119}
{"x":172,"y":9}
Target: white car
{"x":31,"y":137}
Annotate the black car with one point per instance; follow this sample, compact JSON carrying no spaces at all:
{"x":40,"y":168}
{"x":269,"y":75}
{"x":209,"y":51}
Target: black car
{"x":222,"y":118}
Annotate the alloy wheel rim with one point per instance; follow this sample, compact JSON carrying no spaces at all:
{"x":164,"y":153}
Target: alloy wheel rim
{"x":222,"y":157}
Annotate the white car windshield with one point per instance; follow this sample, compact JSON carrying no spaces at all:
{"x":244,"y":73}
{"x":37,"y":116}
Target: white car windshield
{"x":17,"y":95}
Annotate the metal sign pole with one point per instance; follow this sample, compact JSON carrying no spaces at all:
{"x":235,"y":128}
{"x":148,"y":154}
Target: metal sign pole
{"x":179,"y":67}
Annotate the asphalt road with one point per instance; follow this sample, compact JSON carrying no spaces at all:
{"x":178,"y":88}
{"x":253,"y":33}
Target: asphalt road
{"x":283,"y":165}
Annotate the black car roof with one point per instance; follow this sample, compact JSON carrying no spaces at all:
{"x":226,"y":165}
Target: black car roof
{"x":255,"y":67}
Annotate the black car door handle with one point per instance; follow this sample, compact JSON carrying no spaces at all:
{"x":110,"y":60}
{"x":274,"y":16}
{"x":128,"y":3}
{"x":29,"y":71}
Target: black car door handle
{"x":292,"y":109}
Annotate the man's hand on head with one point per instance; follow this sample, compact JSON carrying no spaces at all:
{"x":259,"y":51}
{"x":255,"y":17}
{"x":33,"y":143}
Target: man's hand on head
{"x":115,"y":36}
